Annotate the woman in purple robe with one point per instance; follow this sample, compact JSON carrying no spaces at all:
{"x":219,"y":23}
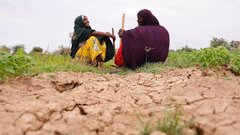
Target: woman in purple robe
{"x":148,"y":42}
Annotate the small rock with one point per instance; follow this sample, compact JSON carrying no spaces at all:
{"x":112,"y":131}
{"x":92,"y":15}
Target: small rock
{"x":28,"y":122}
{"x":158,"y":133}
{"x":187,"y":131}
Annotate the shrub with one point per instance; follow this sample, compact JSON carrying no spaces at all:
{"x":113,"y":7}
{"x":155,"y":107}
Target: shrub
{"x":186,"y":49}
{"x":213,"y":57}
{"x":14,"y":65}
{"x":37,"y":50}
{"x":5,"y":48}
{"x":217,"y":42}
{"x":16,"y":47}
{"x":62,"y":50}
{"x":234,"y":45}
{"x":235,"y":62}
{"x":182,"y":59}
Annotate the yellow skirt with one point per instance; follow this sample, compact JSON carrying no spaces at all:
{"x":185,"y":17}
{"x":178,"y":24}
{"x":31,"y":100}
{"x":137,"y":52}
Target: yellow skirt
{"x":90,"y":50}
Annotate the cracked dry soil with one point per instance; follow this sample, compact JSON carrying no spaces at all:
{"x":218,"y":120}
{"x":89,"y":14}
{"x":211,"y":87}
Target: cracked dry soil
{"x":91,"y":104}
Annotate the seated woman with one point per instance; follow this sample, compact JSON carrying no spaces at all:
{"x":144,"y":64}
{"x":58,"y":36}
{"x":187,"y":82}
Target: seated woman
{"x":148,"y":42}
{"x":90,"y":46}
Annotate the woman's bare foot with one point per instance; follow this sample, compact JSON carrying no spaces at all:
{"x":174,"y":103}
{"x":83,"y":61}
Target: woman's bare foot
{"x":99,"y":62}
{"x":100,"y":66}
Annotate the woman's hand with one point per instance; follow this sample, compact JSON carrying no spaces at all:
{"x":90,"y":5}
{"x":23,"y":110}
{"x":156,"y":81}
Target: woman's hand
{"x":120,"y":32}
{"x":112,"y":36}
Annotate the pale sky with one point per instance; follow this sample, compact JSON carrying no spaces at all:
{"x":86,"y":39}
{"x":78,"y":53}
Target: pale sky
{"x":47,"y":23}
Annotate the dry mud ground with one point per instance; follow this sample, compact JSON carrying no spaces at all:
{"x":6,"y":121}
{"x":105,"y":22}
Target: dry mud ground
{"x":90,"y":104}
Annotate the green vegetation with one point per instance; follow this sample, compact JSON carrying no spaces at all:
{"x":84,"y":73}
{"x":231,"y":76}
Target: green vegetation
{"x":17,"y":47}
{"x":21,"y":63}
{"x":206,"y":58}
{"x":4,"y":48}
{"x":18,"y":63}
{"x":186,"y":48}
{"x":14,"y":65}
{"x":213,"y":57}
{"x":45,"y":63}
{"x":234,"y":64}
{"x":171,"y":123}
{"x":37,"y":50}
{"x":62,"y":50}
{"x":232,"y":46}
{"x":216,"y":42}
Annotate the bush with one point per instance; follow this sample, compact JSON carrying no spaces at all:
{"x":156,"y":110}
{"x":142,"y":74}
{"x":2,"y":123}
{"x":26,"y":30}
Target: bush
{"x":213,"y":57}
{"x":37,"y":50}
{"x":235,"y":62}
{"x":182,"y":59}
{"x":234,"y":45}
{"x":218,"y":42}
{"x":186,"y":49}
{"x":16,"y":47}
{"x":5,"y":48}
{"x":14,"y":65}
{"x":62,"y":50}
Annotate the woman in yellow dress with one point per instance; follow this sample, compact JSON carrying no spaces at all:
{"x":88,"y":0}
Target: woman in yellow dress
{"x":90,"y":46}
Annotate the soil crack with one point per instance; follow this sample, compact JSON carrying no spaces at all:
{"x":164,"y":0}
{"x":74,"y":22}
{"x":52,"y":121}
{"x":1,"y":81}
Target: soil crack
{"x":61,"y":87}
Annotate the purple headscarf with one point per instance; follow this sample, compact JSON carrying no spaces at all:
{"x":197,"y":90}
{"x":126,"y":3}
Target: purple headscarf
{"x":148,"y":17}
{"x":148,"y":42}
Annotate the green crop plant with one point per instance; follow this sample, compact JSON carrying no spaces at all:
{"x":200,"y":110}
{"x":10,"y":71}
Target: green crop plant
{"x":171,"y":123}
{"x":213,"y":57}
{"x":235,"y":62}
{"x":14,"y":65}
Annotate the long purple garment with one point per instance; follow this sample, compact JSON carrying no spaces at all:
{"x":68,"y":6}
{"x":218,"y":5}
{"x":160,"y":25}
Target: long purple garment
{"x":136,"y":42}
{"x":149,"y":42}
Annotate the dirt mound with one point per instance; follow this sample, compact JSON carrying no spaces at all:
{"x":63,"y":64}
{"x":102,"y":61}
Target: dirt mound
{"x":87,"y":103}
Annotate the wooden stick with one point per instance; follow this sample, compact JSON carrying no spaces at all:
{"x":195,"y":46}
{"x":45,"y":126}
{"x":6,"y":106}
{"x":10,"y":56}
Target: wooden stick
{"x":113,"y":42}
{"x":113,"y":31}
{"x":123,"y":21}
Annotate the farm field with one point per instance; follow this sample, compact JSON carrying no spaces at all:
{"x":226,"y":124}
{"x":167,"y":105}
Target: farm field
{"x":194,"y":92}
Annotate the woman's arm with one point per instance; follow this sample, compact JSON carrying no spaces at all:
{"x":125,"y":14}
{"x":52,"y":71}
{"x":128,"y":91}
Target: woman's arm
{"x":120,"y":32}
{"x":103,"y":34}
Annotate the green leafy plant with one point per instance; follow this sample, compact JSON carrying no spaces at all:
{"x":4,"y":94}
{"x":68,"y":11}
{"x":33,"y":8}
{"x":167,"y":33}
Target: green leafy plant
{"x":171,"y":123}
{"x":17,"y":47}
{"x":235,"y":62}
{"x":213,"y":57}
{"x":181,"y":59}
{"x":14,"y":65}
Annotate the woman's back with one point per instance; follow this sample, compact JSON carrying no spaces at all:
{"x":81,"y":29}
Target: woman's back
{"x":145,"y":44}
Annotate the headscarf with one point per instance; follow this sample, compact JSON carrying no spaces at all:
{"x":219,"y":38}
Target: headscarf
{"x":81,"y":33}
{"x":148,"y":17}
